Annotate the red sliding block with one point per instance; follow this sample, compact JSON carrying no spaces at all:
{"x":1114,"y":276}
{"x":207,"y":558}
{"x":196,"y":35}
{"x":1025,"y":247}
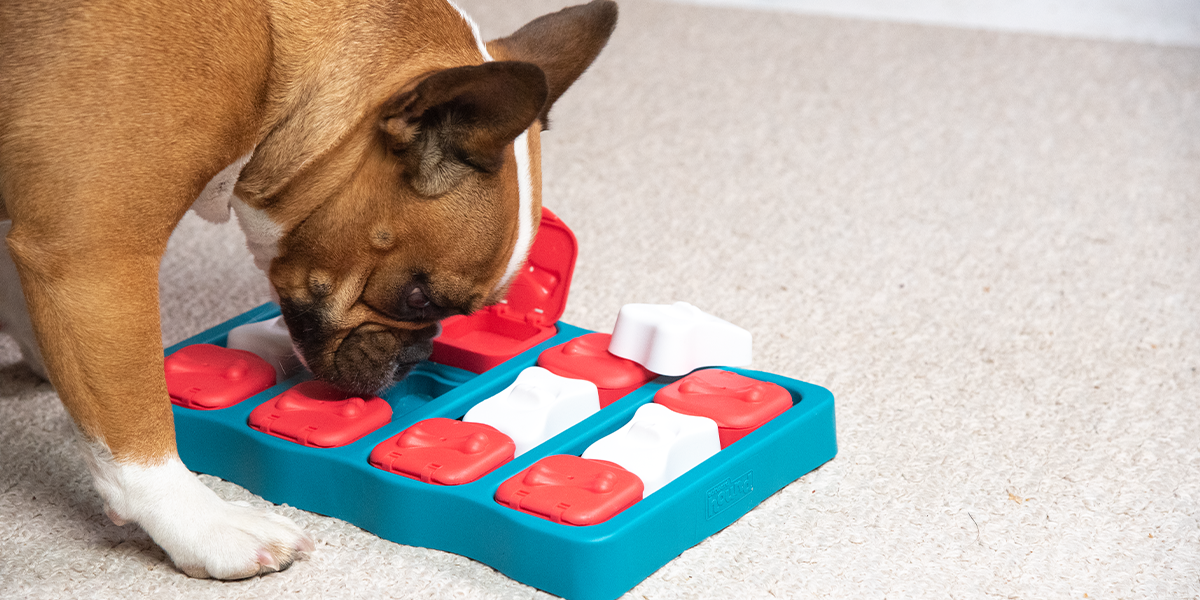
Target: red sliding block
{"x":208,"y":377}
{"x":571,"y":490}
{"x":444,"y":451}
{"x":737,"y":403}
{"x":587,"y":357}
{"x":317,"y":414}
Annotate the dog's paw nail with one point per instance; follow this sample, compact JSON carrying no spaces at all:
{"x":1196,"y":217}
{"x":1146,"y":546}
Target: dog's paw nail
{"x":307,"y":544}
{"x":267,"y":560}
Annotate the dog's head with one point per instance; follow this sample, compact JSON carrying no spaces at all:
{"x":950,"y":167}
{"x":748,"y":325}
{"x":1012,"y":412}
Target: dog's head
{"x":426,"y":209}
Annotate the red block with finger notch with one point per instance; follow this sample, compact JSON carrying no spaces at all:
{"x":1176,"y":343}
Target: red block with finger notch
{"x":320,"y":415}
{"x":444,"y":451}
{"x":208,"y":377}
{"x":737,"y":403}
{"x":571,"y":490}
{"x":587,"y":357}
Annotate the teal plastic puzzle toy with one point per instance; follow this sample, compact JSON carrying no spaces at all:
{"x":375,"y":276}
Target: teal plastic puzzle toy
{"x":558,"y":462}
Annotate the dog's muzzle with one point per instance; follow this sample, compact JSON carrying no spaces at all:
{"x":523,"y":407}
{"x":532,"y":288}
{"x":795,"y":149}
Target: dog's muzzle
{"x":366,"y":360}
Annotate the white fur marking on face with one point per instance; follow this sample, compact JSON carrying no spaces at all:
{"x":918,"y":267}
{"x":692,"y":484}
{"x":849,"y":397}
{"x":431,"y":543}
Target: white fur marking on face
{"x":474,"y":30}
{"x":204,"y":535}
{"x":524,"y":177}
{"x":262,"y":233}
{"x":213,"y":203}
{"x":525,"y":190}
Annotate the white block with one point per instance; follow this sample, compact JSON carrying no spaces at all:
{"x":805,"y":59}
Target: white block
{"x":270,"y":340}
{"x":658,"y":445}
{"x":676,"y":339}
{"x":536,"y":407}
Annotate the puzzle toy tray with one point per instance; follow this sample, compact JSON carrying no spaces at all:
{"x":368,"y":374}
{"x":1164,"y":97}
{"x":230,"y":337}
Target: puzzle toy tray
{"x":554,"y":460}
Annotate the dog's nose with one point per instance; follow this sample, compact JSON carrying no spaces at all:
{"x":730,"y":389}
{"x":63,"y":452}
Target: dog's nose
{"x":414,"y":303}
{"x":417,"y":298}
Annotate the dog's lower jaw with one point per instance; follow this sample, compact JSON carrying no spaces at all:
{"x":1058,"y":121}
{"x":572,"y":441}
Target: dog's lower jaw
{"x":204,"y":535}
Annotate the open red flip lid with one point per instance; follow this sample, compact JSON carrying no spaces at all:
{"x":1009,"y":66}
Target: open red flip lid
{"x":536,"y":300}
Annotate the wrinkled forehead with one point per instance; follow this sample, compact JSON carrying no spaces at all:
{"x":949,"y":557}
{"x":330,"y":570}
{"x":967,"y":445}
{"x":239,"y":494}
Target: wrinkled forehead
{"x":467,"y":246}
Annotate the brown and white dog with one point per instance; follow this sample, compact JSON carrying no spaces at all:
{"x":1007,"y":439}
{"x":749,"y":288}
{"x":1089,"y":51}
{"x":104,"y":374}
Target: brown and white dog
{"x":383,"y":162}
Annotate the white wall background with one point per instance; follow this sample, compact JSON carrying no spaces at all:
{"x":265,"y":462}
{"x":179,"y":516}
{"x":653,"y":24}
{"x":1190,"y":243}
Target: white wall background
{"x":1168,"y":22}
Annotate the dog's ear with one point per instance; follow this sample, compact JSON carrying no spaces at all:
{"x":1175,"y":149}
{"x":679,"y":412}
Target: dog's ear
{"x":563,"y":44}
{"x":460,"y":120}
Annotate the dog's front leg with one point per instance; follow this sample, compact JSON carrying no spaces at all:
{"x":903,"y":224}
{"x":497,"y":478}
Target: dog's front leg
{"x":93,"y":301}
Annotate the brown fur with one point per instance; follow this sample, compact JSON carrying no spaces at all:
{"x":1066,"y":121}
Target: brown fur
{"x":114,"y":114}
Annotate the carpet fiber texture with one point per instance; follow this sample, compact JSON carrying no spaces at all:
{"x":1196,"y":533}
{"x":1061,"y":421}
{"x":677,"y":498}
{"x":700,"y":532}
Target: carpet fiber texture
{"x":986,"y":245}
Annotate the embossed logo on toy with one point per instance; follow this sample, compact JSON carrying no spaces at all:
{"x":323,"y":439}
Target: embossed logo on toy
{"x":728,"y":492}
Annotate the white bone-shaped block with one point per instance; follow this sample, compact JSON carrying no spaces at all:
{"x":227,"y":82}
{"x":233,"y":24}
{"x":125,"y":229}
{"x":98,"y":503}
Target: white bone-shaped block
{"x":271,"y":341}
{"x":658,"y":445}
{"x":676,"y":339}
{"x":536,"y":407}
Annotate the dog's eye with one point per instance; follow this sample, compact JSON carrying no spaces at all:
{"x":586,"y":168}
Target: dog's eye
{"x":418,"y":299}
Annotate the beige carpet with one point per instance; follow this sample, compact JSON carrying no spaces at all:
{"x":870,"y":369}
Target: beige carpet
{"x":986,"y":245}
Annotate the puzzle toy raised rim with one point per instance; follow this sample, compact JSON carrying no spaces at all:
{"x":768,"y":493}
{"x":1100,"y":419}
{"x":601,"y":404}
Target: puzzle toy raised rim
{"x":595,"y":562}
{"x":582,"y":528}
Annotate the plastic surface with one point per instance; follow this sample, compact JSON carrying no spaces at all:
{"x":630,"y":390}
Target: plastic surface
{"x":536,"y":407}
{"x":571,"y":490}
{"x":676,"y":339}
{"x":595,"y":562}
{"x":526,"y":317}
{"x":269,"y":340}
{"x":738,"y":404}
{"x":208,"y":377}
{"x":444,"y":451}
{"x":587,"y":357}
{"x":317,"y":414}
{"x":658,"y":445}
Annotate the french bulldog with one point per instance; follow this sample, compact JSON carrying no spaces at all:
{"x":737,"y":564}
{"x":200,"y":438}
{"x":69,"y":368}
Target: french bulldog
{"x":382,"y":159}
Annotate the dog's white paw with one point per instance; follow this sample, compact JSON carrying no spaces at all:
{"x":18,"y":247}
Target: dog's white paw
{"x":204,"y":535}
{"x":232,"y":542}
